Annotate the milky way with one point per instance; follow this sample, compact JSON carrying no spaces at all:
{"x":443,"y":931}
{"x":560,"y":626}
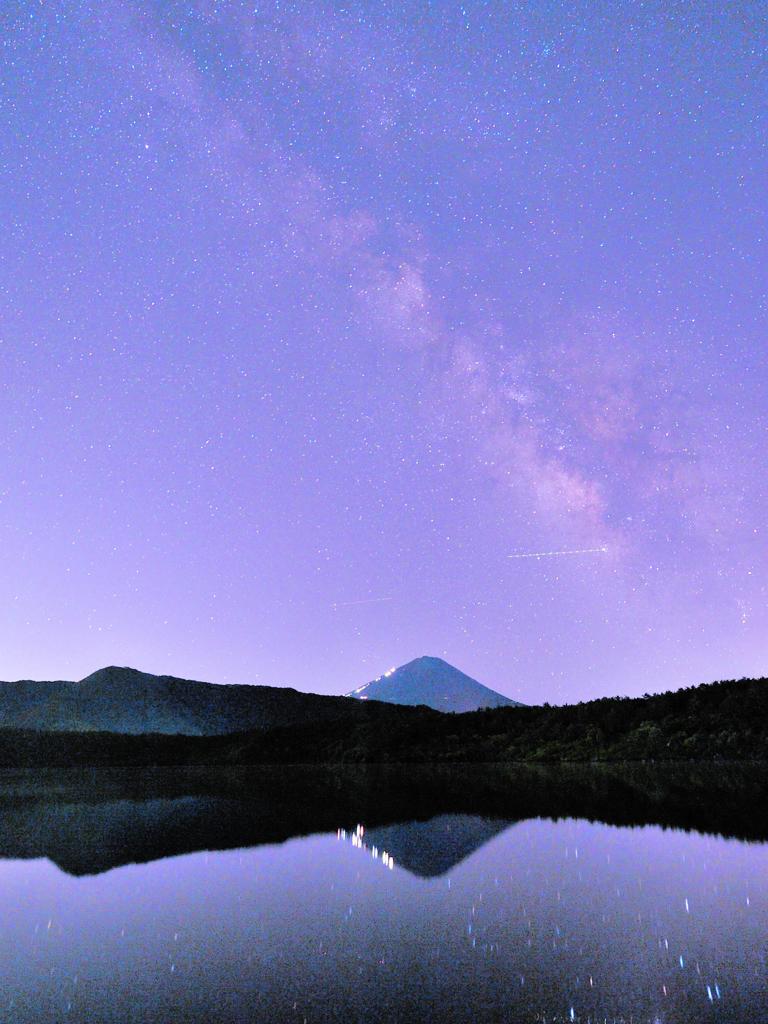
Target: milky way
{"x":302,"y":305}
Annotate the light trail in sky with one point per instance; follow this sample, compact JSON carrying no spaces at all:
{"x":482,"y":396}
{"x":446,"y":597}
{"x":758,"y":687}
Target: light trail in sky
{"x":553,"y":554}
{"x":365,"y":600}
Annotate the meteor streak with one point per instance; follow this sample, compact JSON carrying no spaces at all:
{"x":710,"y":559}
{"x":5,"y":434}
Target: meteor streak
{"x":365,"y":600}
{"x":553,"y":554}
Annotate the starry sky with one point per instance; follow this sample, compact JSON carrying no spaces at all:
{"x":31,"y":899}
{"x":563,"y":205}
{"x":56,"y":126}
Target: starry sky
{"x":312,"y":315}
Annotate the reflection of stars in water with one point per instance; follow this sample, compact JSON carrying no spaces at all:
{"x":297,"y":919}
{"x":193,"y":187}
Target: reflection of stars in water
{"x":483,"y":918}
{"x":541,"y":915}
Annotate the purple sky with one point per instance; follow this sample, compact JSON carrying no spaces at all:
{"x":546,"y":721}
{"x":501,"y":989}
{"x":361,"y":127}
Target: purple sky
{"x":311,"y":316}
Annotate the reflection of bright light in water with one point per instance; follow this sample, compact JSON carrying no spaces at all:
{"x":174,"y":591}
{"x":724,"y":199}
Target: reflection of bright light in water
{"x":356,"y":839}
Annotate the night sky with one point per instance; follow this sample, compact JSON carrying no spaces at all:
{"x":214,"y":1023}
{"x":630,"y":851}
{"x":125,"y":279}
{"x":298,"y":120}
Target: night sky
{"x":311,"y":316}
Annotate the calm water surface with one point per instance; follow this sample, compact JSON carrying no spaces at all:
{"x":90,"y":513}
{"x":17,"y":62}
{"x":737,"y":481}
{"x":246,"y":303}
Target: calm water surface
{"x":450,"y":916}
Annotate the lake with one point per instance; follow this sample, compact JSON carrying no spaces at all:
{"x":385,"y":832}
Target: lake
{"x":530,"y":895}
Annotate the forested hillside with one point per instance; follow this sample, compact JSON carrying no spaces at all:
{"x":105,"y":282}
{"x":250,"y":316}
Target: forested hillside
{"x":720,"y":721}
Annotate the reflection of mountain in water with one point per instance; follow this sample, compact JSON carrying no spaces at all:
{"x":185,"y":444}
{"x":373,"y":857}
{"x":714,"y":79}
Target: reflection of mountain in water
{"x":90,"y":837}
{"x":432,"y":848}
{"x":428,"y":819}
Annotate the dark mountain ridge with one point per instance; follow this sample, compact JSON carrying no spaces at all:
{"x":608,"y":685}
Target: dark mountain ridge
{"x":718,"y":721}
{"x":124,"y":700}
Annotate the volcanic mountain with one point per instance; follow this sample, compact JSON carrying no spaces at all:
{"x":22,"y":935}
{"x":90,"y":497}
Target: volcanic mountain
{"x":433,"y":682}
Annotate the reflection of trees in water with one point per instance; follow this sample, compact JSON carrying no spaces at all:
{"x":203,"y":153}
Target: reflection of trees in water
{"x":428,"y":819}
